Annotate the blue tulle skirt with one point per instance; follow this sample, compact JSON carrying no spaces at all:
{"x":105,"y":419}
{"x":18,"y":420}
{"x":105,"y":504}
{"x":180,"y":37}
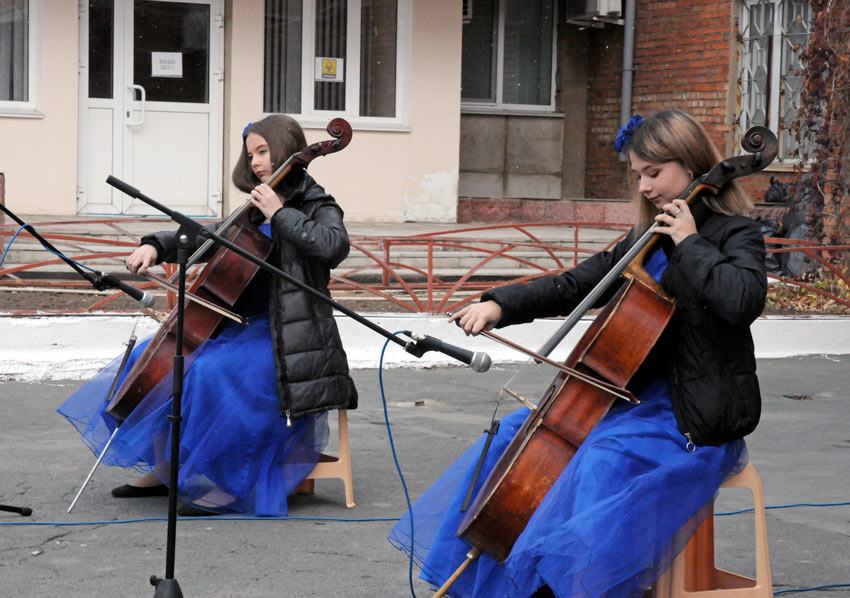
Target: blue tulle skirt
{"x":613,"y":521}
{"x":236,"y":450}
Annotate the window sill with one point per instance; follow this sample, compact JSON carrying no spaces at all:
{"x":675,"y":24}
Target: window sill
{"x":357,"y":124}
{"x":8,"y":112}
{"x":496,"y":111}
{"x":788,"y":166}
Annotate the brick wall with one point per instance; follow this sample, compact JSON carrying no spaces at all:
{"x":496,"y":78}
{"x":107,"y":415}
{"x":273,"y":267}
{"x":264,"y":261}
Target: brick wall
{"x":605,"y":173}
{"x":682,"y":60}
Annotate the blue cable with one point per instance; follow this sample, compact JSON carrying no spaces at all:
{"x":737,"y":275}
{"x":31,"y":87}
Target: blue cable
{"x":395,"y":459}
{"x":410,"y":510}
{"x":12,"y":240}
{"x":826,"y":587}
{"x":47,"y":249}
{"x":799,"y":504}
{"x":210,"y":518}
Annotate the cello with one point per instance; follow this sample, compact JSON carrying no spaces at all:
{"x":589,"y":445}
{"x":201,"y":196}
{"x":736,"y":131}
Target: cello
{"x":615,"y":345}
{"x":221,"y":282}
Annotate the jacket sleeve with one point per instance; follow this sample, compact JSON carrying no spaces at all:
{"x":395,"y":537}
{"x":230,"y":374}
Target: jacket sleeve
{"x":165,"y":243}
{"x":320,"y":236}
{"x":728,"y":279}
{"x":557,"y":295}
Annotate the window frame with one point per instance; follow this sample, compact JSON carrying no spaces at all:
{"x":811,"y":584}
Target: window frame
{"x":776,"y":79}
{"x":31,"y":107}
{"x":499,"y":107}
{"x":319,"y":118}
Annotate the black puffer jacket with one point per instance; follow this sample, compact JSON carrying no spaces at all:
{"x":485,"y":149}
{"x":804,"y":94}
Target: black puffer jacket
{"x":309,"y":240}
{"x":718,"y":279}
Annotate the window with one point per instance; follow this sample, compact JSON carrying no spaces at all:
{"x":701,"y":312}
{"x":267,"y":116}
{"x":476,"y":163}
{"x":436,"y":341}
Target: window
{"x":772,"y":34}
{"x":335,"y":56}
{"x":508,"y":55}
{"x":17,"y":55}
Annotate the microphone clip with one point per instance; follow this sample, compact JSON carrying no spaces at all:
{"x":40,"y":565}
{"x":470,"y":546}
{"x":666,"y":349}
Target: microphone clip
{"x":100,"y":282}
{"x":413,"y":347}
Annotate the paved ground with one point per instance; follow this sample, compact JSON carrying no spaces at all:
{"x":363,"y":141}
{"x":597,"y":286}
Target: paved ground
{"x":801,"y":450}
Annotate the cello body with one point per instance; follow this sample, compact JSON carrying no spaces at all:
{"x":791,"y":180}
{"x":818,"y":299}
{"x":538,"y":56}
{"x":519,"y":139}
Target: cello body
{"x":221,"y":282}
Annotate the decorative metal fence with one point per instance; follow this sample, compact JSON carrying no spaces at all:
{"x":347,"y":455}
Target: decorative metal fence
{"x":405,"y":273}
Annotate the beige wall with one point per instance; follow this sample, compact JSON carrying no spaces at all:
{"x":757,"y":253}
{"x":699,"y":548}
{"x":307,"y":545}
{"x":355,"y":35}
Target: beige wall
{"x":430,"y":192}
{"x":39,"y":155}
{"x":407,"y":173}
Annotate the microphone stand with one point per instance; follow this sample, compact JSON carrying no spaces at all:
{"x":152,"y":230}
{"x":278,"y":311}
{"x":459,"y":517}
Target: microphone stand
{"x":168,"y":587}
{"x":23,"y":511}
{"x":99,"y":280}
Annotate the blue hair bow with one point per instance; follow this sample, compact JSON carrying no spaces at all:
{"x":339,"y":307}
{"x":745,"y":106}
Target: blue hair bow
{"x":626,"y":132}
{"x":245,"y":130}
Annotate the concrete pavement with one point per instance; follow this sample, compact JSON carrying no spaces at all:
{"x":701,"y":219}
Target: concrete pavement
{"x":111,"y":547}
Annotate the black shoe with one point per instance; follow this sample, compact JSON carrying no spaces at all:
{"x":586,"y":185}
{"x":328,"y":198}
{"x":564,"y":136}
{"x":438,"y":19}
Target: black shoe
{"x":129,"y":491}
{"x":190,"y":510}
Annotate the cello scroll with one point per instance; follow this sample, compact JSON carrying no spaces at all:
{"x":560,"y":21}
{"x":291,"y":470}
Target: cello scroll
{"x":763,"y":147}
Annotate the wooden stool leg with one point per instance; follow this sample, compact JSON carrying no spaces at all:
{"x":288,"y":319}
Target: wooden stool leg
{"x":307,"y":486}
{"x":699,"y":557}
{"x":345,"y":458}
{"x":337,"y":467}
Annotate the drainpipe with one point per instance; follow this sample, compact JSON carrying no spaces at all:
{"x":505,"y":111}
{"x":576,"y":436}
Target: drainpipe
{"x":628,"y":62}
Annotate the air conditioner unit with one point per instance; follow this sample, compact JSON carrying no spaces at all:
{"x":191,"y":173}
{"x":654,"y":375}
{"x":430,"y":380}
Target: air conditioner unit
{"x":604,"y":8}
{"x":467,"y":11}
{"x":594,"y":13}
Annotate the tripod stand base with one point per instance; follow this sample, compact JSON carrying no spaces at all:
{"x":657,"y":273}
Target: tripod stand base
{"x":23,"y":511}
{"x":166,"y":588}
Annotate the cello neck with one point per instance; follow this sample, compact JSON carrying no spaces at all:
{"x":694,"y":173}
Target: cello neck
{"x":276,"y":177}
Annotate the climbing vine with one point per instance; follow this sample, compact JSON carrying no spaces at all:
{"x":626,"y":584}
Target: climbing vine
{"x":824,"y":124}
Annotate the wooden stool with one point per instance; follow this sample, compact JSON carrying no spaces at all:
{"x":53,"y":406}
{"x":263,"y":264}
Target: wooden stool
{"x":693,"y":574}
{"x":333,"y":467}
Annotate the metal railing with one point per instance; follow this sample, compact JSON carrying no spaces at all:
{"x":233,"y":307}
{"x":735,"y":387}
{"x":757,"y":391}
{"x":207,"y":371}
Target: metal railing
{"x":394,"y":273}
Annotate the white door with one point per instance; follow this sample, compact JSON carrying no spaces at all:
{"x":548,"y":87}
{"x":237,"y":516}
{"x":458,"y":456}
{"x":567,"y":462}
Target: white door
{"x":150,"y":105}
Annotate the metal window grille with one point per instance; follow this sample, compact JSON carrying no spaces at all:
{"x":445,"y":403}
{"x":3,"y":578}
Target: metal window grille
{"x":773,"y":33}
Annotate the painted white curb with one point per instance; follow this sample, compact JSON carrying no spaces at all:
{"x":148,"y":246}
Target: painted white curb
{"x":74,"y":347}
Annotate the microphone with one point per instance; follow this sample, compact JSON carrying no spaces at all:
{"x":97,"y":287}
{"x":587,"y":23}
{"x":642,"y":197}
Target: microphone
{"x":107,"y":280}
{"x":422,"y":343}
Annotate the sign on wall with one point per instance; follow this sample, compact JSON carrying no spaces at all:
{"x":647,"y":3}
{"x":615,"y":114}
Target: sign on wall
{"x":167,"y":64}
{"x":330,"y":69}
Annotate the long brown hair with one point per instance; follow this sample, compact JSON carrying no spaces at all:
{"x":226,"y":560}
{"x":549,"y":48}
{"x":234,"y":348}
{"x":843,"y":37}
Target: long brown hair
{"x":675,"y":136}
{"x":284,"y":137}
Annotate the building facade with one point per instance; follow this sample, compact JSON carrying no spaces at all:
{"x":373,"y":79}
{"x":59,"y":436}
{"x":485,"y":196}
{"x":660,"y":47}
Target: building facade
{"x":480,"y":110}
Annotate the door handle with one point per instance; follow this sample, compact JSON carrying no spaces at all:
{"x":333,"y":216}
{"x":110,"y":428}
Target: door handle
{"x":130,"y":121}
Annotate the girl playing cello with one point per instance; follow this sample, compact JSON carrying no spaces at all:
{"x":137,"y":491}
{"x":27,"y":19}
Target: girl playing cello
{"x":256,"y":396}
{"x":642,"y":480}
